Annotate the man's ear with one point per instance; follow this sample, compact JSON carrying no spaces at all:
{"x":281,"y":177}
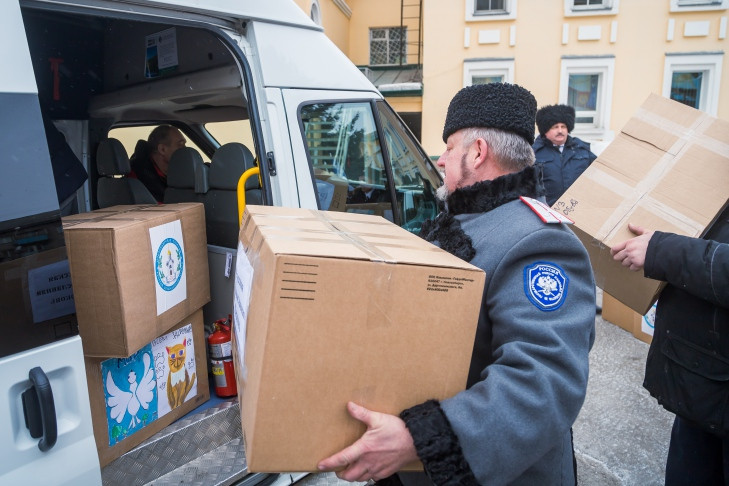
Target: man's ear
{"x":482,"y":150}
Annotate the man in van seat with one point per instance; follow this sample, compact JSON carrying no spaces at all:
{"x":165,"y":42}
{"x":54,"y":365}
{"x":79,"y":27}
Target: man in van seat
{"x":151,"y":159}
{"x":529,"y":368}
{"x":560,"y":157}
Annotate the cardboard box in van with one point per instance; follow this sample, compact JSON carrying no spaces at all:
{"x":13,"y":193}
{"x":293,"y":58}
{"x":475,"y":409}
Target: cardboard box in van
{"x":136,"y":272}
{"x":135,"y":397}
{"x":331,"y":307}
{"x":667,"y":170}
{"x":640,"y":326}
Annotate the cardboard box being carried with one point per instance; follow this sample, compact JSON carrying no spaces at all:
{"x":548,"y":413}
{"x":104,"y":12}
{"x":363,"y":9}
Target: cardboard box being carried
{"x":667,"y":170}
{"x":640,"y":326}
{"x":133,"y":398}
{"x":136,"y":272}
{"x":332,"y":307}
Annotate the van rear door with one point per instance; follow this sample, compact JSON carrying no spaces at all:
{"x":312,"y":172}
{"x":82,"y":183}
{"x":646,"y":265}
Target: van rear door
{"x":47,"y":436}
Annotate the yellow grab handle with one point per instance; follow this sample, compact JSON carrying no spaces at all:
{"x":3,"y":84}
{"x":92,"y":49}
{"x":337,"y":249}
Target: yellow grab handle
{"x":242,"y":190}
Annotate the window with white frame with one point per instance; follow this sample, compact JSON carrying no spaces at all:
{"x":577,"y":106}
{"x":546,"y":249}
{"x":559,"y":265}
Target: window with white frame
{"x":697,"y":5}
{"x":693,"y":80}
{"x":484,"y":71}
{"x":490,"y":9}
{"x":586,"y":84}
{"x":590,"y":7}
{"x":388,"y":46}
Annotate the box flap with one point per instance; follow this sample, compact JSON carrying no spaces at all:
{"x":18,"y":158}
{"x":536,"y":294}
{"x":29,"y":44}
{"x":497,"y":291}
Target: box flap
{"x":330,"y":234}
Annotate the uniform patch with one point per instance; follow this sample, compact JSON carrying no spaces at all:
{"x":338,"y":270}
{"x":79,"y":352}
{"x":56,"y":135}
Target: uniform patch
{"x":545,"y":284}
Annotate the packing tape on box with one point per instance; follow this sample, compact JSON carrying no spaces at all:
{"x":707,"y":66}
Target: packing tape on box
{"x":632,"y":196}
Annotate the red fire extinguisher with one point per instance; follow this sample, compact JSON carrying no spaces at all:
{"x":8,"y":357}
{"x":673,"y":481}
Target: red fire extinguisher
{"x":221,"y":359}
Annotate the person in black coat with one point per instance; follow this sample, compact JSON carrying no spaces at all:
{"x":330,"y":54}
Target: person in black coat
{"x":687,"y":369}
{"x":560,"y":157}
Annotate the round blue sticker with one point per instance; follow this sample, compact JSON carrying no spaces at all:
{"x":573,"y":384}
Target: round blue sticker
{"x":169,"y":263}
{"x":545,"y":284}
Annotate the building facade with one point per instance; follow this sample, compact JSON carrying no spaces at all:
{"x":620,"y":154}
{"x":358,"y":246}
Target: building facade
{"x":603,"y":57}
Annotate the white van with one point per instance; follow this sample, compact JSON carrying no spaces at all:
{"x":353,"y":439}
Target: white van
{"x":250,"y":83}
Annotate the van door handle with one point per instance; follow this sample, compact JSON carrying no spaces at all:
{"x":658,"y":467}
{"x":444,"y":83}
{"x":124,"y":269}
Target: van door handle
{"x":40,"y":410}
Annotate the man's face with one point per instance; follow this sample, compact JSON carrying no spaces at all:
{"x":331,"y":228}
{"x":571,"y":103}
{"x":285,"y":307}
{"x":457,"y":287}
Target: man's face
{"x":175,"y":140}
{"x":557,"y":134}
{"x":454,"y":163}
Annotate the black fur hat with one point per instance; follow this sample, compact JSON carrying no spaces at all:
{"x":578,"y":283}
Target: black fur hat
{"x":508,"y":107}
{"x":549,"y":116}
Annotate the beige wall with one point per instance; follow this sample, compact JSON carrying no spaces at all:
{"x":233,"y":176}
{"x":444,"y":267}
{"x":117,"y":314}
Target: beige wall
{"x":639,"y":50}
{"x":334,"y":21}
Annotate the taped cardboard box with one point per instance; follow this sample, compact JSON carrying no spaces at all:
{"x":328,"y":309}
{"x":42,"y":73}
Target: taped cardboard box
{"x":136,"y":272}
{"x":640,"y":326}
{"x":667,"y":170}
{"x":332,"y":190}
{"x":331,"y":307}
{"x":133,"y":398}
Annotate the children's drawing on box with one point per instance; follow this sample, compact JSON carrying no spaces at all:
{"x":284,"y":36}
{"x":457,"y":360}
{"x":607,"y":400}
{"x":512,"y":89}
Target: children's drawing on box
{"x":179,"y":382}
{"x":131,"y":396}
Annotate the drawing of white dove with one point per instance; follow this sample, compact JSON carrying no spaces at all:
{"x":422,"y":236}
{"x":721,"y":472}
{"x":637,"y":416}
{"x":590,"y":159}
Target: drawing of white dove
{"x":139,"y":395}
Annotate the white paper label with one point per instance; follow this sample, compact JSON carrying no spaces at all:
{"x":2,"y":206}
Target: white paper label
{"x":241,"y":302}
{"x":174,"y":361}
{"x":50,"y":291}
{"x":168,"y":258}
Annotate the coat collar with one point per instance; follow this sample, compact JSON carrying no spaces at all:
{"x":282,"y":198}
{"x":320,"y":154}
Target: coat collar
{"x":481,"y":197}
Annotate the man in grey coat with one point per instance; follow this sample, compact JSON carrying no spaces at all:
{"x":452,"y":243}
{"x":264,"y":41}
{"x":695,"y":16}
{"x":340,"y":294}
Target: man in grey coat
{"x":529,"y":368}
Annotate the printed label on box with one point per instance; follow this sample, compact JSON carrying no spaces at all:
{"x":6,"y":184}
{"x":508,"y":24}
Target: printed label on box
{"x":51,"y":294}
{"x":241,"y":301}
{"x":148,"y":384}
{"x":168,"y":257}
{"x":647,"y":322}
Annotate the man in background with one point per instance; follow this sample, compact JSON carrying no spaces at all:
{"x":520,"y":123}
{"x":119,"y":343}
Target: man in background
{"x":151,"y":159}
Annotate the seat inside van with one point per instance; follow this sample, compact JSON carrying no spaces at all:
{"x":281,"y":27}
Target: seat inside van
{"x":187,"y":177}
{"x":114,"y":186}
{"x":221,"y":201}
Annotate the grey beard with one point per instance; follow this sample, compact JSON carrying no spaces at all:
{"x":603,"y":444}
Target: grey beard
{"x":442,"y":192}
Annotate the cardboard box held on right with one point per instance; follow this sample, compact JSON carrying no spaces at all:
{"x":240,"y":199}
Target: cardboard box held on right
{"x":667,"y":170}
{"x":332,"y":307}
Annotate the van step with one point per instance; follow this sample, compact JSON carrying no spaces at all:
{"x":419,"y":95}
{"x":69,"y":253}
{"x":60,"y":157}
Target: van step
{"x":203,"y":448}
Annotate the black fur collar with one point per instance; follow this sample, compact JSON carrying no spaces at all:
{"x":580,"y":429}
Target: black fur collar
{"x":478,"y":198}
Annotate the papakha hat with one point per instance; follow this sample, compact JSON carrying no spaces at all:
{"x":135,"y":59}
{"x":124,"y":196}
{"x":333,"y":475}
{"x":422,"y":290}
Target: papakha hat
{"x":503,"y":106}
{"x":549,"y":116}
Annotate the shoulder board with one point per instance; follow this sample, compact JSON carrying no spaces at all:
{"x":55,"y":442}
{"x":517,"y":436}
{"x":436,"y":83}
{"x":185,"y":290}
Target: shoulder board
{"x":545,"y":213}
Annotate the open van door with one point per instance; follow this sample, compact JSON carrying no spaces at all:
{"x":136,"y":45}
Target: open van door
{"x":47,"y":436}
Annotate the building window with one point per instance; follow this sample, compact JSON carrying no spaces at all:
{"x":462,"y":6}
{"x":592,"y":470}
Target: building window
{"x":490,"y":10}
{"x":693,"y":80}
{"x":484,"y":71}
{"x":388,"y":46}
{"x":590,"y":7}
{"x":696,"y":5}
{"x":587,"y":85}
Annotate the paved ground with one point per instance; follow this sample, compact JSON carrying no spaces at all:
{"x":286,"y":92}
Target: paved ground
{"x":622,"y":434}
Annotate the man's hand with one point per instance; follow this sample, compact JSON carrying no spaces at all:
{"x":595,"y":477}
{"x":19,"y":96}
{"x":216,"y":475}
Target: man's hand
{"x":631,"y":253}
{"x":382,"y":450}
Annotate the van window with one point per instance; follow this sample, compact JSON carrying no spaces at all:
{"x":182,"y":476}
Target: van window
{"x":129,"y":136}
{"x":346,"y":158}
{"x":231,"y":131}
{"x":345,"y":152}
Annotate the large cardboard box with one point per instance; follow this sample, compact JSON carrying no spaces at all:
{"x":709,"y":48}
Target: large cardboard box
{"x":136,"y":272}
{"x":133,"y":398}
{"x":667,"y":170}
{"x":332,"y":307}
{"x":640,"y":326}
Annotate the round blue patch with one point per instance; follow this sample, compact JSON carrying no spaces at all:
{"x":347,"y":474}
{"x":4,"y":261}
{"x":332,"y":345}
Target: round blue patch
{"x":168,"y":264}
{"x":545,"y":284}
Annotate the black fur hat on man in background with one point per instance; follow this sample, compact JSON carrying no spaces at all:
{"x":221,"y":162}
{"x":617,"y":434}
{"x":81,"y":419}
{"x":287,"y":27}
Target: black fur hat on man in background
{"x":503,"y":106}
{"x":549,"y":116}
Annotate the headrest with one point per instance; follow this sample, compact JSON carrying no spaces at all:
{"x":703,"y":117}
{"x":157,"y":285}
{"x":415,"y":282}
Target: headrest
{"x":187,"y":170}
{"x":112,"y":158}
{"x":228,"y":164}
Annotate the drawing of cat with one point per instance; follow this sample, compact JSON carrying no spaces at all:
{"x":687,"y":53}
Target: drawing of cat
{"x":179,"y":383}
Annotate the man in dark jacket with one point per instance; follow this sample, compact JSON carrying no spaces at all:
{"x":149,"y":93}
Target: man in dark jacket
{"x":688,"y":362}
{"x":529,"y":367}
{"x":560,"y":157}
{"x":151,"y":159}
